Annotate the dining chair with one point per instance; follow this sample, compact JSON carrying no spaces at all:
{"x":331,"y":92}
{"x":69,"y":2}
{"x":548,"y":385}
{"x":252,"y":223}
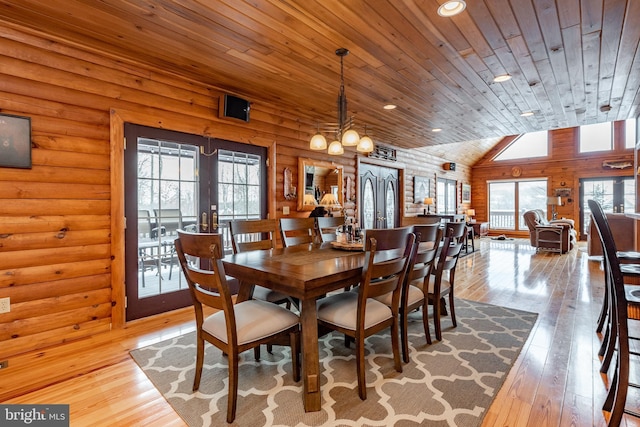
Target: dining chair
{"x":357,"y":313}
{"x":413,"y":296}
{"x":297,"y":231}
{"x":442,"y":278}
{"x":327,"y":225}
{"x":234,"y":328}
{"x":257,"y":234}
{"x":619,"y":294}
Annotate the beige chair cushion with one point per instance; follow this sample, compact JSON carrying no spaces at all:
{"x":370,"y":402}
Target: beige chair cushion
{"x":444,"y":283}
{"x":265,"y":294}
{"x":342,"y":310}
{"x":414,"y":295}
{"x":250,"y":321}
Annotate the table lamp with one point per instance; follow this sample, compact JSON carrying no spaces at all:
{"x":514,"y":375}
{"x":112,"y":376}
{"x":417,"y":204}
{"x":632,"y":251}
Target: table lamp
{"x":330,"y":201}
{"x":428,"y":201}
{"x":471,"y":213}
{"x":554,"y":201}
{"x":309,"y":200}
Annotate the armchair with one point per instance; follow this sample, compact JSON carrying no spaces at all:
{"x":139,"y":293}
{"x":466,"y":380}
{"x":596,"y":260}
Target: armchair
{"x":556,"y":235}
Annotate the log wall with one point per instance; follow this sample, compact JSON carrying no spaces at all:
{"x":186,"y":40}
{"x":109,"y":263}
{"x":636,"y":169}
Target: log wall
{"x":61,"y":222}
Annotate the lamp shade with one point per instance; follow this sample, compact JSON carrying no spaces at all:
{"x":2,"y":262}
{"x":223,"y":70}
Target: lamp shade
{"x":554,"y":200}
{"x":365,"y":145}
{"x":330,"y":201}
{"x":428,"y":200}
{"x":350,"y":138}
{"x":318,"y":142}
{"x":335,"y":148}
{"x":309,"y":200}
{"x":471,"y":212}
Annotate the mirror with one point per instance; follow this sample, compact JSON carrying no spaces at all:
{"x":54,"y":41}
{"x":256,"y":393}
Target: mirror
{"x":317,"y":179}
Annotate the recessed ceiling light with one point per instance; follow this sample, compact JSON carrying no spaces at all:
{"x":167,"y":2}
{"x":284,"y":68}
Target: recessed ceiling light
{"x":502,"y":78}
{"x":527,"y":114}
{"x":390,"y":107}
{"x":451,"y":8}
{"x":436,"y":130}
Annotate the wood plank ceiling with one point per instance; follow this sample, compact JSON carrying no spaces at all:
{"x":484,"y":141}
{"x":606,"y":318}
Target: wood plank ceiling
{"x":573,"y":62}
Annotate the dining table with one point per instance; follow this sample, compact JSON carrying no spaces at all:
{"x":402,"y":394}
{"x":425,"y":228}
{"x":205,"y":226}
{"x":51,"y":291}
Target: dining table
{"x":305,"y":272}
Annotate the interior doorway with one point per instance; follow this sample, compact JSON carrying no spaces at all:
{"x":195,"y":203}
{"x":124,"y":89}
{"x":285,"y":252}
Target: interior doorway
{"x":379,"y":196}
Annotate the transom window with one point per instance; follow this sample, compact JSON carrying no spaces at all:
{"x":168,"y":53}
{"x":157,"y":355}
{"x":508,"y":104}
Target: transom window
{"x":532,"y":144}
{"x":596,"y":137}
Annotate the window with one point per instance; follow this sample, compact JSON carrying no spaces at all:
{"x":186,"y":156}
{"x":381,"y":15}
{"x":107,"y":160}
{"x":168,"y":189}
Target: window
{"x":446,"y":196}
{"x":533,"y":144}
{"x":239,"y":185}
{"x":509,"y":200}
{"x":596,"y":137}
{"x":630,"y":133}
{"x":615,"y":194}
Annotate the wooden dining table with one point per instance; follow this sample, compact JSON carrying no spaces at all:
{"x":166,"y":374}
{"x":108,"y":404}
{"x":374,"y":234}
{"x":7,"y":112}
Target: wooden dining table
{"x":305,"y":272}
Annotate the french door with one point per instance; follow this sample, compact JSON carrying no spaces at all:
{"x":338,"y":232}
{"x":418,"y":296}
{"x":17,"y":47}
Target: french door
{"x":615,"y":194}
{"x":379,"y":196}
{"x":180,"y":181}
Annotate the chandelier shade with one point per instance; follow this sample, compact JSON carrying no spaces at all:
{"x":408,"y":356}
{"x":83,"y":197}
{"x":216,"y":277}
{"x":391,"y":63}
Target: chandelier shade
{"x":318,"y":142}
{"x":346,"y":136}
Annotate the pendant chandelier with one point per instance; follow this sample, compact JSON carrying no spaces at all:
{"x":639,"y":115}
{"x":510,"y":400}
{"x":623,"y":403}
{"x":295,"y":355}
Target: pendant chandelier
{"x":346,"y":136}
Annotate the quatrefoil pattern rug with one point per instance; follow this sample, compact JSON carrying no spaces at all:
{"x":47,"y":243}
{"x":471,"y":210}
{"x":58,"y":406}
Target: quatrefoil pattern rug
{"x":448,"y":383}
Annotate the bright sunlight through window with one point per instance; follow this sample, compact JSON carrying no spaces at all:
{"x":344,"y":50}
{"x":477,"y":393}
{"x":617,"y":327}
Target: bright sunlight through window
{"x":533,"y":144}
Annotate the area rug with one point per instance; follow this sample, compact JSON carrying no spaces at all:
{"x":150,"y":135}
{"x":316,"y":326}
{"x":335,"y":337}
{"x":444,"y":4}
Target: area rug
{"x":448,"y":383}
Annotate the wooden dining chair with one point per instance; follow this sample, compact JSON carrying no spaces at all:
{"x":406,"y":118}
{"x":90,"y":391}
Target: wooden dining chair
{"x":413,"y":297}
{"x":326,"y":227}
{"x":357,"y":314}
{"x":615,"y":402}
{"x":441,"y":281}
{"x":234,"y":328}
{"x":297,"y":231}
{"x":257,"y":234}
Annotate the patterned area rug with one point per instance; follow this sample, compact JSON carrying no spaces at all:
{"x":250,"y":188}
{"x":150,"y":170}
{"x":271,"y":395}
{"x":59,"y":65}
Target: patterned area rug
{"x":448,"y":383}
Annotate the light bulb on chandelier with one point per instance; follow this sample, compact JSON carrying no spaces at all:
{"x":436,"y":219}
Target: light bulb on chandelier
{"x":346,"y":135}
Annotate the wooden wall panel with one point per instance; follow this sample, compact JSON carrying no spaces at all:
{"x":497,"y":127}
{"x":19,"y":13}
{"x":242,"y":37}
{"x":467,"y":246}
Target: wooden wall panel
{"x":563,"y":168}
{"x":61,"y":248}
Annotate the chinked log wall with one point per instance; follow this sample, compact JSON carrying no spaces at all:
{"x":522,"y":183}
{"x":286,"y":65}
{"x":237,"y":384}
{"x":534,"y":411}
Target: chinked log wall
{"x":565,"y":169}
{"x":56,"y":228}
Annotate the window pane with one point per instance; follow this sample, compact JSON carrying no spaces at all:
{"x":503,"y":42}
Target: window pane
{"x":630,"y":133}
{"x":596,"y":137}
{"x":531,"y":195}
{"x":532,"y":144}
{"x":502,"y":205}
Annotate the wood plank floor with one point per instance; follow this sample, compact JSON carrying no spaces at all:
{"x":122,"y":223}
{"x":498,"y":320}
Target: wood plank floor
{"x":555,"y":381}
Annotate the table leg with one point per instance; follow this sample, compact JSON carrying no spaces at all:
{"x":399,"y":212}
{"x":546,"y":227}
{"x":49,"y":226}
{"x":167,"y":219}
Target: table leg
{"x":245,"y":292}
{"x":310,"y":356}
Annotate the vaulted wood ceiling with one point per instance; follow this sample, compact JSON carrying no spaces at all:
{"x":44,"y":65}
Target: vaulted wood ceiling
{"x":573,"y":62}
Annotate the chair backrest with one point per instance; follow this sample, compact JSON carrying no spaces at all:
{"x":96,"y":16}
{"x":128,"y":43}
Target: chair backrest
{"x":253,"y":234}
{"x":170,"y":219}
{"x":207,"y":286}
{"x":388,"y":253}
{"x":327,"y":225}
{"x":618,"y":312}
{"x":428,"y":238}
{"x":144,"y":223}
{"x":454,"y":233}
{"x":297,"y":231}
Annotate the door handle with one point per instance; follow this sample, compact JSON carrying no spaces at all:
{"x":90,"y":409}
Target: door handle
{"x":204,"y":225}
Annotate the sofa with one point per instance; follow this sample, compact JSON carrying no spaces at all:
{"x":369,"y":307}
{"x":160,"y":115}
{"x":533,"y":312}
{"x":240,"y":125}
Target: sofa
{"x":556,"y":236}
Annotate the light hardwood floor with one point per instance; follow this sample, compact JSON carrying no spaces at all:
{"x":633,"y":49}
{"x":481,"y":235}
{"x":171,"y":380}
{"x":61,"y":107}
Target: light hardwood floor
{"x":554,"y":382}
